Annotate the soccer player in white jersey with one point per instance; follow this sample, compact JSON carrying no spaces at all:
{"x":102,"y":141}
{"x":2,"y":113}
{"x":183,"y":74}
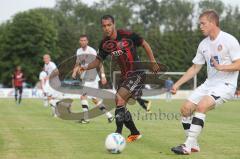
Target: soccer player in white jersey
{"x":221,"y":52}
{"x":42,"y":79}
{"x":50,"y":68}
{"x":85,"y":55}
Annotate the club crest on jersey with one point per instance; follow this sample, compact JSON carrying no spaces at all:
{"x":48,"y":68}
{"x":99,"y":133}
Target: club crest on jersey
{"x":219,"y":48}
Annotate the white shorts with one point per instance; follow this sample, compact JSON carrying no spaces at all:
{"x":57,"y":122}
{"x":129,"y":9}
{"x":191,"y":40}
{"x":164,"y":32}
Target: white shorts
{"x":91,"y":84}
{"x":221,"y":92}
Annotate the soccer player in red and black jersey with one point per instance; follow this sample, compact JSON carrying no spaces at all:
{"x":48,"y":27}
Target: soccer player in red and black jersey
{"x":121,"y":45}
{"x":17,"y":83}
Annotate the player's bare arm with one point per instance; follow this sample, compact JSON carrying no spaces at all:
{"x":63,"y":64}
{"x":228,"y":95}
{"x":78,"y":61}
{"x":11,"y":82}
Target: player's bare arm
{"x":76,"y":67}
{"x":147,"y":48}
{"x":102,"y":74}
{"x":235,"y":66}
{"x":191,"y":72}
{"x":92,"y":65}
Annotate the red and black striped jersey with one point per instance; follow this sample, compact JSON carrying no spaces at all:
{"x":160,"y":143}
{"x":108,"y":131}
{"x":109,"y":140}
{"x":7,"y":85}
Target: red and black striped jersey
{"x":18,"y":78}
{"x":123,"y":50}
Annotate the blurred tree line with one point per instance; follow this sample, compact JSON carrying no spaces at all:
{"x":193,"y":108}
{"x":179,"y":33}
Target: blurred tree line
{"x":170,"y":26}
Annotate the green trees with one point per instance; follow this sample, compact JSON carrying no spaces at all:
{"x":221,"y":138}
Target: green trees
{"x":23,"y":42}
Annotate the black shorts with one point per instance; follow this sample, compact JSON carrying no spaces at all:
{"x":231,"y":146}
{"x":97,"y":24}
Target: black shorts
{"x":134,"y":83}
{"x":18,"y":88}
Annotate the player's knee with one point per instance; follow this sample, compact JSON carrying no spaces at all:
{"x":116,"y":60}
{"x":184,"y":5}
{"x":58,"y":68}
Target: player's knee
{"x":95,"y":101}
{"x":83,"y":97}
{"x":119,"y":100}
{"x":185,"y":111}
{"x":201,"y":109}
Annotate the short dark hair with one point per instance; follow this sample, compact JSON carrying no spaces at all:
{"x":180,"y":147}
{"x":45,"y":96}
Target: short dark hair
{"x":211,"y":15}
{"x":107,"y":16}
{"x":83,"y":36}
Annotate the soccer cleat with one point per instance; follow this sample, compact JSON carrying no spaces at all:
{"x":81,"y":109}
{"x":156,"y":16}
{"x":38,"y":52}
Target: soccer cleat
{"x":110,"y":119}
{"x":84,"y":121}
{"x":195,"y":148}
{"x":132,"y":138}
{"x":181,"y":150}
{"x":149,"y":106}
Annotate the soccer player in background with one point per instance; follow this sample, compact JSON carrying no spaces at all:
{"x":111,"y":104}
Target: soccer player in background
{"x":85,"y":55}
{"x":121,"y":45}
{"x":17,"y":83}
{"x":50,"y":68}
{"x":221,"y":52}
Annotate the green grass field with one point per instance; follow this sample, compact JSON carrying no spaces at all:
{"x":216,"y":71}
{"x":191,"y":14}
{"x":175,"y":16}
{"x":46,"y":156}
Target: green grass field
{"x":29,"y":132}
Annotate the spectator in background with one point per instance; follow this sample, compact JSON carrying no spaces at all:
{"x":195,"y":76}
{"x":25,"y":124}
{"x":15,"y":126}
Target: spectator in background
{"x":168,"y":87}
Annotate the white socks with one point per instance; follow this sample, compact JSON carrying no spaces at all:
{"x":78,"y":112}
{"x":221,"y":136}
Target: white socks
{"x":186,"y":122}
{"x":195,"y":129}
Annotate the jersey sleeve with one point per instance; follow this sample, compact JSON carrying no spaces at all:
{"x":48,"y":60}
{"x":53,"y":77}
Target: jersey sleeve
{"x":93,"y":52}
{"x":199,"y":58}
{"x":234,"y":49}
{"x":137,"y":39}
{"x":53,"y":66}
{"x":78,"y":57}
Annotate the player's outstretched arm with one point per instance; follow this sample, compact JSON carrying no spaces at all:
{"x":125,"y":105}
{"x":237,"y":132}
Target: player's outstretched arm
{"x":92,"y":65}
{"x":76,"y":67}
{"x":191,"y":72}
{"x":147,"y":48}
{"x":75,"y":71}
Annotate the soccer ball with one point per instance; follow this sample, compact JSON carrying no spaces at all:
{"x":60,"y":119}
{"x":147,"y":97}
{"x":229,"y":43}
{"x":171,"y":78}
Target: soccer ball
{"x":115,"y":143}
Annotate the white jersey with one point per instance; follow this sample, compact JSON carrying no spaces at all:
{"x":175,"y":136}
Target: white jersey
{"x":50,"y":67}
{"x":224,"y":49}
{"x":85,"y":57}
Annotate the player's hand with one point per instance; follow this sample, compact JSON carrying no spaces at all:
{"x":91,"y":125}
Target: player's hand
{"x":216,"y":65}
{"x":81,"y":70}
{"x":74,"y":74}
{"x":104,"y":80}
{"x":155,"y":67}
{"x":174,"y":89}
